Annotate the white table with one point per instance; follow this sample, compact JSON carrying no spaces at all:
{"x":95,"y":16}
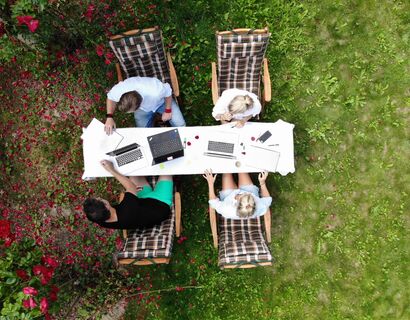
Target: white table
{"x":96,"y":144}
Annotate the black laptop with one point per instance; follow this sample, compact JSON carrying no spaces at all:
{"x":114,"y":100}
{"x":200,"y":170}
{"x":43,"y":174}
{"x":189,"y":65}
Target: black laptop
{"x":165,"y":146}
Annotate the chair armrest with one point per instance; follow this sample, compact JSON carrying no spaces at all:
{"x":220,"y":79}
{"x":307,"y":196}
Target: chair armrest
{"x":212,"y":219}
{"x":177,"y":203}
{"x":119,"y":74}
{"x":267,"y":220}
{"x":215,"y":93}
{"x":267,"y":89}
{"x":173,"y":75}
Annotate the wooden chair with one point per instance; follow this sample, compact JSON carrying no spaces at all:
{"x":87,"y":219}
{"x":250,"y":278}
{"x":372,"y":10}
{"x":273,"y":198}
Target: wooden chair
{"x":151,"y":245}
{"x":241,"y":58}
{"x":241,"y":243}
{"x":141,"y":53}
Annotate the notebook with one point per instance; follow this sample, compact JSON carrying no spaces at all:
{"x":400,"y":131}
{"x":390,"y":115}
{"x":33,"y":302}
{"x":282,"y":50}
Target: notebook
{"x":222,"y":145}
{"x":165,"y":146}
{"x":261,"y":158}
{"x":129,"y":158}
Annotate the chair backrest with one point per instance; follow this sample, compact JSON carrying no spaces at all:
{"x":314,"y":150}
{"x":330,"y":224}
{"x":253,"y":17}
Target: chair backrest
{"x":141,"y":53}
{"x":240,"y":58}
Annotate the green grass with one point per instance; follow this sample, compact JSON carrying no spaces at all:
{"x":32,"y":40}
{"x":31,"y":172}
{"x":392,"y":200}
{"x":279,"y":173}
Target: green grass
{"x":340,"y":73}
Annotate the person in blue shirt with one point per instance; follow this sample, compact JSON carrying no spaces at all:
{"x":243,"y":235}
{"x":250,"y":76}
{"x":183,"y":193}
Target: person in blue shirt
{"x":240,"y":201}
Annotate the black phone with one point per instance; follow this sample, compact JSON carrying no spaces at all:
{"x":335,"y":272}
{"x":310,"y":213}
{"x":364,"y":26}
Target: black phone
{"x":265,"y":136}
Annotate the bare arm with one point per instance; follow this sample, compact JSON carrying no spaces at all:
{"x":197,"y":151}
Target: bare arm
{"x":110,"y":123}
{"x":262,"y":181}
{"x":241,"y":123}
{"x":125,"y":182}
{"x":167,"y":115}
{"x":211,"y":180}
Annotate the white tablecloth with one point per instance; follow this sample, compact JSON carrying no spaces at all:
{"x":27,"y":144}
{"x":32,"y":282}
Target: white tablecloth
{"x":96,"y":144}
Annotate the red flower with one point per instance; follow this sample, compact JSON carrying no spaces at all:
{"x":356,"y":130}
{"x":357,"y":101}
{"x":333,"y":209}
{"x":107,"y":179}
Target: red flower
{"x":4,"y":229}
{"x":9,"y":240}
{"x":24,"y":20}
{"x":29,"y":303}
{"x":49,"y":261}
{"x":109,"y":55}
{"x":44,"y":305}
{"x":29,"y":21}
{"x":53,"y":293}
{"x":179,"y":289}
{"x":182,"y":239}
{"x":100,"y":50}
{"x":33,"y":25}
{"x":22,"y":274}
{"x":2,"y":29}
{"x":30,"y":291}
{"x":89,"y":13}
{"x":38,"y":269}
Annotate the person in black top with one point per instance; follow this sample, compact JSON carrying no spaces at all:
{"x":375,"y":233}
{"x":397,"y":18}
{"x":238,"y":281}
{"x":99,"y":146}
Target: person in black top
{"x":141,"y":207}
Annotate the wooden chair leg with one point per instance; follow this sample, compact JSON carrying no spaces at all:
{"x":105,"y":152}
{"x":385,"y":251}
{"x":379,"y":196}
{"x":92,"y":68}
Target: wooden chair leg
{"x":177,"y":202}
{"x":215,"y":93}
{"x":267,"y":89}
{"x":267,"y":220}
{"x":212,"y":219}
{"x":119,"y":74}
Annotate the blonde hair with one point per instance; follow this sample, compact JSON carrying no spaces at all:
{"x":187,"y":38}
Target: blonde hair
{"x":240,"y":104}
{"x":246,"y":206}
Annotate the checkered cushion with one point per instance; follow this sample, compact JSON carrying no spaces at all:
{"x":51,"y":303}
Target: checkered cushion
{"x":151,"y":243}
{"x":142,"y":55}
{"x":242,"y":241}
{"x":240,"y":59}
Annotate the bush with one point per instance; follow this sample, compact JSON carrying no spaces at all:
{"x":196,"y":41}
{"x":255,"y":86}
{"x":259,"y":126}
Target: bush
{"x":26,"y":289}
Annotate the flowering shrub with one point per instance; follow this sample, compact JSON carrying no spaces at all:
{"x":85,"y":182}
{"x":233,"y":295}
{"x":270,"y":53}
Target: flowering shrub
{"x":26,"y":275}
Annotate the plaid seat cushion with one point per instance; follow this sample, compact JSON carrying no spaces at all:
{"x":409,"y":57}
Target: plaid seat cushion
{"x":242,"y":241}
{"x":155,"y":242}
{"x":233,"y":249}
{"x":240,"y":59}
{"x":142,"y":55}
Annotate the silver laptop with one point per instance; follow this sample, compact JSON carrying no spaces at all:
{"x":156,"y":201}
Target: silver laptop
{"x":129,"y":158}
{"x":222,"y":145}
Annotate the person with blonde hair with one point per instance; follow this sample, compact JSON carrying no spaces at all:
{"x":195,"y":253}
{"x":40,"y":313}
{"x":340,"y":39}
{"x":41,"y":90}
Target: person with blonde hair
{"x":240,"y":201}
{"x":236,"y":105}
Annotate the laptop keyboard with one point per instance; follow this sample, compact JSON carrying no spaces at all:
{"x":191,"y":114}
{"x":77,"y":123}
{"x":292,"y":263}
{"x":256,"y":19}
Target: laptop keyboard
{"x":218,"y":146}
{"x":165,"y":147}
{"x":129,"y":157}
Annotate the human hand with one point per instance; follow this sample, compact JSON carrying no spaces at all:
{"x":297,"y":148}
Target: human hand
{"x":226,"y":116}
{"x":109,"y":126}
{"x":166,"y":116}
{"x":262,"y":177}
{"x":240,"y":123}
{"x":209,"y":176}
{"x":107,"y":165}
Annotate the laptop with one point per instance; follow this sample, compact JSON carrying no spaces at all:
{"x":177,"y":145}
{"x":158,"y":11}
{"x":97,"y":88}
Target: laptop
{"x":165,"y":146}
{"x":221,"y":145}
{"x":129,"y":158}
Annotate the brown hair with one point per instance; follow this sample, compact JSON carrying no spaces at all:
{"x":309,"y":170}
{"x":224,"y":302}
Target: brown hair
{"x":129,"y":101}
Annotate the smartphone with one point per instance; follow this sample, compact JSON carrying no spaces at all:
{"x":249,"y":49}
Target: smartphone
{"x":265,"y":136}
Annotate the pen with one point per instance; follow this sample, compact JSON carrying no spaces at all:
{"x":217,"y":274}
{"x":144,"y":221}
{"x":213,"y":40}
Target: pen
{"x":276,"y":144}
{"x":184,"y":143}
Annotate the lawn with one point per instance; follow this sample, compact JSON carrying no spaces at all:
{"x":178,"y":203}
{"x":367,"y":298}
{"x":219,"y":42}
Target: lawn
{"x":340,"y":73}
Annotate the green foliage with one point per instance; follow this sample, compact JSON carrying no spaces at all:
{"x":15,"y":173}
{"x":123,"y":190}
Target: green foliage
{"x":22,"y":256}
{"x":339,"y":72}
